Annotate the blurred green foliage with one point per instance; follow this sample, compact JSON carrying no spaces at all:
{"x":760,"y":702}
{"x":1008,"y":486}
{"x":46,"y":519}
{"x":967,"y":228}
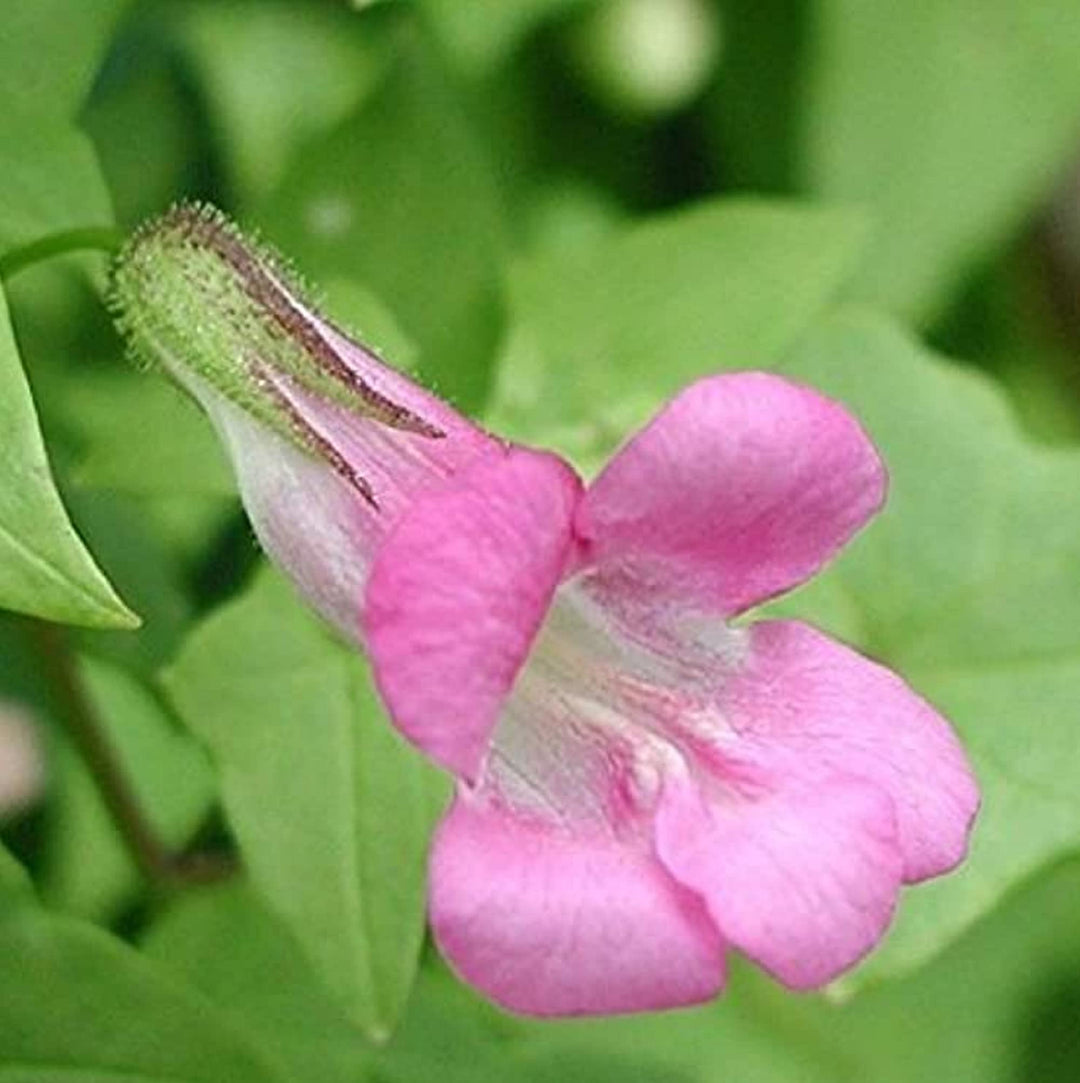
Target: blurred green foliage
{"x":309,"y":773}
{"x":557,"y":218}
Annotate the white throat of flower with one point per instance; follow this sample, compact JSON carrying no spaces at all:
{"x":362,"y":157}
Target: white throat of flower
{"x":598,"y":714}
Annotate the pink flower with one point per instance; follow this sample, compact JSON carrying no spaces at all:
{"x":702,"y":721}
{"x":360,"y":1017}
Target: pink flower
{"x":642,"y":783}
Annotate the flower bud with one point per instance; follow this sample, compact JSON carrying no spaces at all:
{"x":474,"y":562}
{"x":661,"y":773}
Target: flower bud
{"x":328,"y":443}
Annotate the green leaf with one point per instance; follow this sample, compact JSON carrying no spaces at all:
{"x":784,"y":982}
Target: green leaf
{"x":602,"y":336}
{"x":728,"y":1039}
{"x":998,"y":1007}
{"x":14,"y":882}
{"x":153,"y":99}
{"x":50,"y":51}
{"x":755,"y":103}
{"x":986,"y":1009}
{"x":324,"y":63}
{"x":481,"y":34}
{"x":956,"y":1012}
{"x":141,"y":435}
{"x":44,"y":568}
{"x":51,"y":181}
{"x":450,"y":1026}
{"x":135,"y":549}
{"x":400,"y":198}
{"x":49,"y":54}
{"x":562,"y":216}
{"x":78,"y":1006}
{"x":89,"y":871}
{"x":331,"y":810}
{"x":952,"y":119}
{"x":969,"y":585}
{"x":609,"y":1066}
{"x":224,"y":942}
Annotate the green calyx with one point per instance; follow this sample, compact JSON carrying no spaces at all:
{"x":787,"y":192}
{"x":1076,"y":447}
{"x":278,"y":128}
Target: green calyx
{"x":191,"y":294}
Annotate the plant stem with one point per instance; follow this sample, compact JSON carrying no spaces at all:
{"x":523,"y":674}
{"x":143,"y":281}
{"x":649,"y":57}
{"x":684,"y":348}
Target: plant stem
{"x":155,"y":861}
{"x":102,"y":238}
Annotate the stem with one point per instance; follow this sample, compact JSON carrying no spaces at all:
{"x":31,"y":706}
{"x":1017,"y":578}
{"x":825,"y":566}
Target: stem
{"x":102,"y":238}
{"x":158,"y":865}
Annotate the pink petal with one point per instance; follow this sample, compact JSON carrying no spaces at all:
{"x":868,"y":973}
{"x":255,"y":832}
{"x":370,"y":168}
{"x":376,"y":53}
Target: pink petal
{"x":457,"y":593}
{"x":806,"y":707}
{"x":743,"y":486}
{"x":391,"y":383}
{"x":320,"y":529}
{"x":313,"y":524}
{"x":547,"y":922}
{"x":395,"y":465}
{"x":804,"y":881}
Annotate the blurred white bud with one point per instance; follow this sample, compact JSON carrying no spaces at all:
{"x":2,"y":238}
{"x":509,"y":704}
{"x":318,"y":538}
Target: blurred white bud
{"x":22,"y":761}
{"x":648,"y":57}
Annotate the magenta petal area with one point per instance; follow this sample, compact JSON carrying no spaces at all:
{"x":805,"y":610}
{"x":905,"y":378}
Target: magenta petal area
{"x":804,"y":881}
{"x":456,"y":595}
{"x":807,"y":708}
{"x":547,"y":921}
{"x":742,"y":487}
{"x":394,"y":385}
{"x":315,"y":526}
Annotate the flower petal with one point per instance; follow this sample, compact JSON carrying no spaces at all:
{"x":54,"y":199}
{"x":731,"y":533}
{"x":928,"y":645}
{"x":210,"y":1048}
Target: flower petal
{"x":807,"y":707}
{"x":314,"y":525}
{"x":457,"y":593}
{"x":804,"y":881}
{"x":393,"y":466}
{"x":318,"y":527}
{"x":547,"y":922}
{"x":743,"y":486}
{"x":392,"y":384}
